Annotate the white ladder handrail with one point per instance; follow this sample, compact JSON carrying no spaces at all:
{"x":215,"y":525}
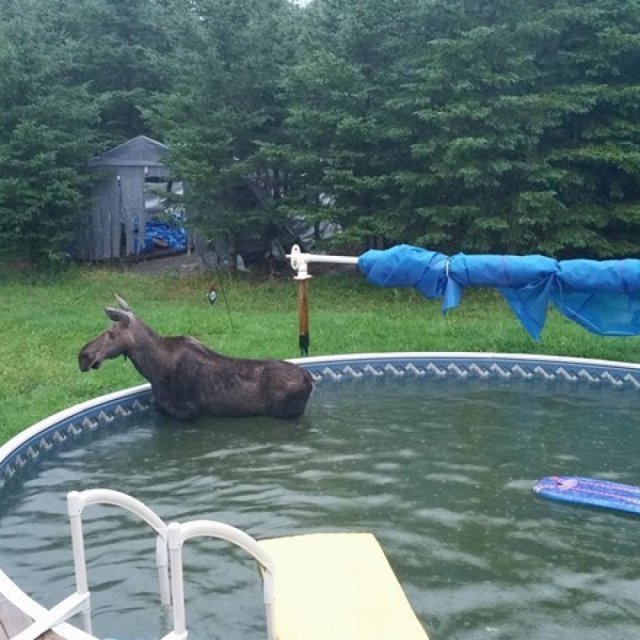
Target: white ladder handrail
{"x":180,"y":533}
{"x":80,"y":600}
{"x":76,"y":503}
{"x":169,"y":543}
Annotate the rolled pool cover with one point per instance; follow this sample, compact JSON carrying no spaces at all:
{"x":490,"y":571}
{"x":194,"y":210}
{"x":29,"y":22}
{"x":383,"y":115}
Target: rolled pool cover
{"x":601,"y":296}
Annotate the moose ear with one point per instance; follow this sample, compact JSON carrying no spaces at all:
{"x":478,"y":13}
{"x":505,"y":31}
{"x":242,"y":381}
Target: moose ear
{"x":122,"y":303}
{"x":117,"y":315}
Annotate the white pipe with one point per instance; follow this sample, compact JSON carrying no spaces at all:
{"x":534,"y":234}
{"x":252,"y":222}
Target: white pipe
{"x":175,"y":542}
{"x":77,"y":501}
{"x":214,"y":529}
{"x":71,"y":605}
{"x":162,"y":562}
{"x":180,"y":533}
{"x":22,"y":601}
{"x":300,"y":261}
{"x":74,"y":507}
{"x":116,"y":498}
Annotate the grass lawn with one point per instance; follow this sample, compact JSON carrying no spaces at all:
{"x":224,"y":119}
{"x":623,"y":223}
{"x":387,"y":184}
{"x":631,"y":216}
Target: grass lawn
{"x":44,"y":321}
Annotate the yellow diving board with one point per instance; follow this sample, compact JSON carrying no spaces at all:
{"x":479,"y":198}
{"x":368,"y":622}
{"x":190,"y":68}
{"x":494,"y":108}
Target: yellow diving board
{"x":338,"y":586}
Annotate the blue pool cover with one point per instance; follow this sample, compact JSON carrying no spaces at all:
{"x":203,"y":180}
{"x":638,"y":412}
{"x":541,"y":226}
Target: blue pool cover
{"x":603,"y":296}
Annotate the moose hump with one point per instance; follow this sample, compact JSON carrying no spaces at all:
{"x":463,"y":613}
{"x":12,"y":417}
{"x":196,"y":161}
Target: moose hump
{"x":189,"y":380}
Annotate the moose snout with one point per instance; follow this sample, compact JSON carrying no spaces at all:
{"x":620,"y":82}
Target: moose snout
{"x":87,"y":360}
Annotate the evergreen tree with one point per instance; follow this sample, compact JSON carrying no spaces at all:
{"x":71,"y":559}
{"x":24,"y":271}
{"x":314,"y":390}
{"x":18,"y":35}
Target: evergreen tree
{"x":479,"y":125}
{"x":526,"y":131}
{"x":124,"y":50}
{"x":224,"y":106}
{"x":342,"y":142}
{"x":46,"y":134}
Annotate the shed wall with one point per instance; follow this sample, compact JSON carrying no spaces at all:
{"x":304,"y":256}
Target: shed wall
{"x":114,"y":225}
{"x":132,"y":212}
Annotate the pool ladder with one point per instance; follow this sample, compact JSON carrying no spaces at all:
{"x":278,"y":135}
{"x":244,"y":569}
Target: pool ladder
{"x":169,"y":543}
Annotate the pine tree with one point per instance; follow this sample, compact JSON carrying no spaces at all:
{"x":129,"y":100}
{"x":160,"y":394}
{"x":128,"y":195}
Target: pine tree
{"x":123,"y":50}
{"x":46,"y":135}
{"x":526,"y":135}
{"x":342,"y":141}
{"x":225,"y":105}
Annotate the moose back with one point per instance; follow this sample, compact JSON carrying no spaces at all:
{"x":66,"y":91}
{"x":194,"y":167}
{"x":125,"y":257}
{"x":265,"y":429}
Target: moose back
{"x":189,"y":380}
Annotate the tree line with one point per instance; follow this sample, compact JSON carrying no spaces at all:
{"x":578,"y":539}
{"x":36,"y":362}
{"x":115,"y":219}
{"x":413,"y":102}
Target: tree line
{"x":502,"y":126}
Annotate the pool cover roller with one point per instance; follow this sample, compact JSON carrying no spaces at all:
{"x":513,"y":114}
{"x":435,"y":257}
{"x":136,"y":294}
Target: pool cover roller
{"x":601,"y":296}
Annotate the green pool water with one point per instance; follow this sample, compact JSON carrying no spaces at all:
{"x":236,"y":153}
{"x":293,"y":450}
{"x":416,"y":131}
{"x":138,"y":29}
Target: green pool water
{"x":441,"y":471}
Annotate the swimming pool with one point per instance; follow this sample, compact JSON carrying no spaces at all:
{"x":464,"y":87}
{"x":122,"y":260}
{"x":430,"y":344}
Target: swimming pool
{"x":434,"y":453}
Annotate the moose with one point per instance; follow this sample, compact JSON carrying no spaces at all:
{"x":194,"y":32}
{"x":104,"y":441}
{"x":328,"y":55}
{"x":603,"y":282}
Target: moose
{"x":189,"y":380}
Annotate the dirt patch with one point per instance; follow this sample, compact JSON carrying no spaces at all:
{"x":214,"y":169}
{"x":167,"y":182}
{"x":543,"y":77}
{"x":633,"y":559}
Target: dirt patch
{"x":183,"y":263}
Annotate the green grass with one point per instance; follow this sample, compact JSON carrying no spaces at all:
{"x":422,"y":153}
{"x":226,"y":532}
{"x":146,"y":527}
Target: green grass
{"x":44,"y":321}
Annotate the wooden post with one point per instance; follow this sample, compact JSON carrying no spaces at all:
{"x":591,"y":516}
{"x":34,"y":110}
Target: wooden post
{"x":303,"y":315}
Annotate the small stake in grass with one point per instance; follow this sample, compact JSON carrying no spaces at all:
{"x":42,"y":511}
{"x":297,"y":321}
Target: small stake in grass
{"x":212,"y":296}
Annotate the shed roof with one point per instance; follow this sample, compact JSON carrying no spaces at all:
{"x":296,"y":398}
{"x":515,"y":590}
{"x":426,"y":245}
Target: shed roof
{"x":137,"y":152}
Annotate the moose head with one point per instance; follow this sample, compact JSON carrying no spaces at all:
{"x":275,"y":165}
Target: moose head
{"x":113,"y":342}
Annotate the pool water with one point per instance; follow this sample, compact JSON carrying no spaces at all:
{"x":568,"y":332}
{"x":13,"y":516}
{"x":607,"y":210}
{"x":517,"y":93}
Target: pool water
{"x":441,"y":471}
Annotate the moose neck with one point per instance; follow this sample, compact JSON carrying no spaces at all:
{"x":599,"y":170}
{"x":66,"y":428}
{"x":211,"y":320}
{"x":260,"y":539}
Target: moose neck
{"x":148,"y":353}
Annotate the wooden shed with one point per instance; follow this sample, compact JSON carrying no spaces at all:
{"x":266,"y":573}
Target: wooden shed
{"x":114,"y":225}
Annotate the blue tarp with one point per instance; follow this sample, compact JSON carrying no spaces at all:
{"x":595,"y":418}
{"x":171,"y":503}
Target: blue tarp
{"x":602,"y":296}
{"x":163,"y":235}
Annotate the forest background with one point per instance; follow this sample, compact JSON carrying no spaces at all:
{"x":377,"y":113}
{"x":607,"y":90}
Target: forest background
{"x":505,"y":126}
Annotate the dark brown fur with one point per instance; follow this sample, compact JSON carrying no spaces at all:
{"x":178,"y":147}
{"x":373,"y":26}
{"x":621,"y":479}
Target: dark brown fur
{"x":189,"y":380}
